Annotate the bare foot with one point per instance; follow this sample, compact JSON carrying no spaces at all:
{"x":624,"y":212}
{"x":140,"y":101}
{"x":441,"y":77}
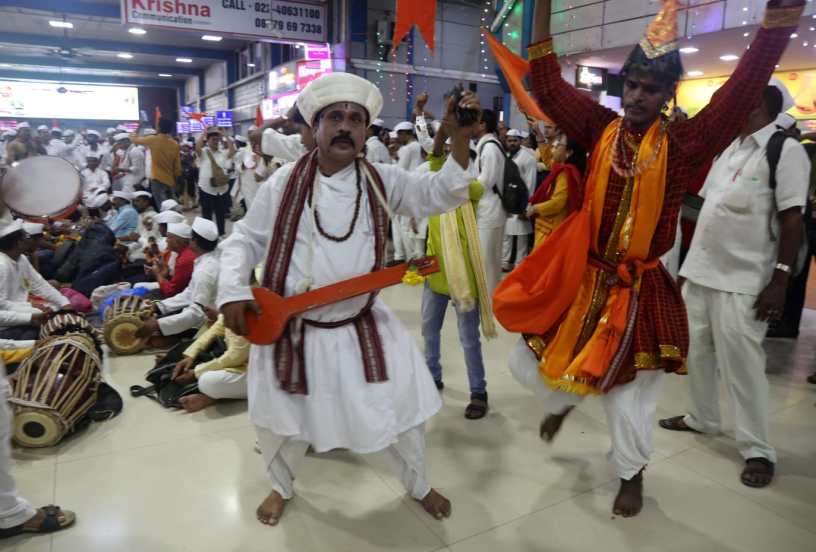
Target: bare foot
{"x":271,"y":509}
{"x":194,"y":403}
{"x":436,"y":505}
{"x":629,"y":501}
{"x":551,"y":425}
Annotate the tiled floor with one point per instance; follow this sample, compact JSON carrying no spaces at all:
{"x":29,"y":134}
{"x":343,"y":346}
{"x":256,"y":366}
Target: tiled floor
{"x":156,"y":480}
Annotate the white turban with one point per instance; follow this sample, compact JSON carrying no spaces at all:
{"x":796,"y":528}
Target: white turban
{"x":168,"y":217}
{"x":513,"y":133}
{"x":404,"y":126}
{"x":180,"y":229}
{"x":339,"y":87}
{"x":205,"y":228}
{"x":378,"y":123}
{"x":142,"y":193}
{"x":168,"y":205}
{"x":10,"y":226}
{"x":122,"y":195}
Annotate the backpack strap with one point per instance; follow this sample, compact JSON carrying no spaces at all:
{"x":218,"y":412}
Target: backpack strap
{"x":773,"y":152}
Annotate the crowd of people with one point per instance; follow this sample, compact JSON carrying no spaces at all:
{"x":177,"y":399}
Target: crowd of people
{"x":558,"y":228}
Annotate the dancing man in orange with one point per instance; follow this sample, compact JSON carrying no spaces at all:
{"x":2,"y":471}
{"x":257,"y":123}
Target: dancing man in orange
{"x":599,"y":313}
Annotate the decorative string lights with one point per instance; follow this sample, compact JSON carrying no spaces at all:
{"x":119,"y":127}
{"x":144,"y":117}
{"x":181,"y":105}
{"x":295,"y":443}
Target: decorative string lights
{"x":483,"y":22}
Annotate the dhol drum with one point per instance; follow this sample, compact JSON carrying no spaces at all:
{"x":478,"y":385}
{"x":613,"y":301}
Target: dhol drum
{"x":54,"y":388}
{"x":122,"y":320}
{"x":43,"y":187}
{"x":68,"y":322}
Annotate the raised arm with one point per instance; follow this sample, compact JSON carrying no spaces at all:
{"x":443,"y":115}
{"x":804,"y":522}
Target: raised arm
{"x":579,"y":116}
{"x":722,"y":119}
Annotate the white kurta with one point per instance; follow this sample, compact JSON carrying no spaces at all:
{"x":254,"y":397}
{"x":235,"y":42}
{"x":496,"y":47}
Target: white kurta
{"x":342,"y":410}
{"x":376,"y":152}
{"x":94,"y":182}
{"x":515,"y":225}
{"x":199,"y":293}
{"x":18,"y":279}
{"x":282,"y":146}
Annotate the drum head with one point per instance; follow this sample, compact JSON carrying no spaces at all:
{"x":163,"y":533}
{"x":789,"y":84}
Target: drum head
{"x":42,"y":186}
{"x":120,"y":335}
{"x":37,"y":428}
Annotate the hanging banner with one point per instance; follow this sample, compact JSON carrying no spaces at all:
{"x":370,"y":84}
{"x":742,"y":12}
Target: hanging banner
{"x":421,"y":14}
{"x":287,"y":20}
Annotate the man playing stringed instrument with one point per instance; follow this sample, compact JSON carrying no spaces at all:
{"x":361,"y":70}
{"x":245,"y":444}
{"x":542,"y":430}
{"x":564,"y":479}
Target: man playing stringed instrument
{"x":612,"y":322}
{"x":347,"y":375}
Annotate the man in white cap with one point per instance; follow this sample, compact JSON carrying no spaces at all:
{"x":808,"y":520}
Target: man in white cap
{"x":18,"y":318}
{"x":127,"y":219}
{"x":92,"y":146}
{"x":214,"y":164}
{"x":94,"y":179}
{"x":376,"y":152}
{"x":109,"y":145}
{"x":741,"y":260}
{"x":170,"y":205}
{"x":8,"y":137}
{"x":23,"y":145}
{"x":60,"y":148}
{"x":518,"y":231}
{"x":173,"y":274}
{"x":287,"y":147}
{"x":409,"y":157}
{"x":128,"y":164}
{"x":186,"y":312}
{"x":44,"y":134}
{"x":358,"y":380}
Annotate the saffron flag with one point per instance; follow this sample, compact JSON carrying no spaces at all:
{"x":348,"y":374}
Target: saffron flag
{"x":259,"y":120}
{"x":515,"y":68}
{"x":157,"y":115}
{"x":410,"y":13}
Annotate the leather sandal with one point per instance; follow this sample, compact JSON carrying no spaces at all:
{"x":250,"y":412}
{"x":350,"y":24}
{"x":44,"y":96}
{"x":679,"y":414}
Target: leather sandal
{"x":49,"y":524}
{"x":478,"y":406}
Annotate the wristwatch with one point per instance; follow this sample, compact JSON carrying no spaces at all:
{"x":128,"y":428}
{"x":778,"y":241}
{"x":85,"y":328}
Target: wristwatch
{"x":783,"y":267}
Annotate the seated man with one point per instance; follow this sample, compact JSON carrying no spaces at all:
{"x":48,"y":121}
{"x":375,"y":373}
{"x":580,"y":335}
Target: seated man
{"x":178,"y":242}
{"x":94,"y":179}
{"x":138,"y":240}
{"x":221,"y":378}
{"x":185,"y":312}
{"x":126,"y":220}
{"x":19,"y":319}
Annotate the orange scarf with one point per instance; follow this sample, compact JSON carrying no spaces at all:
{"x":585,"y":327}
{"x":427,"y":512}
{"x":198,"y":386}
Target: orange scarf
{"x":552,"y":291}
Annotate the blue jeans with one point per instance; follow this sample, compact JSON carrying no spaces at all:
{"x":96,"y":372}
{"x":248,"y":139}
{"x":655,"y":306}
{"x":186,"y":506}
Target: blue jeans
{"x":434,"y":306}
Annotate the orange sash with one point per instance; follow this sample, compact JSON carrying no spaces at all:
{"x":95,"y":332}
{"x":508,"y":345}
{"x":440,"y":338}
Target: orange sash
{"x":553,"y":290}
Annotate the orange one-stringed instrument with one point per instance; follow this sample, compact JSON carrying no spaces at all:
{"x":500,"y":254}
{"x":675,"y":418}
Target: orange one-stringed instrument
{"x":277,"y":311}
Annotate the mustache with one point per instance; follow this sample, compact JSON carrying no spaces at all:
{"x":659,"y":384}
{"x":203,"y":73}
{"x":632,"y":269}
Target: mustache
{"x":340,"y":138}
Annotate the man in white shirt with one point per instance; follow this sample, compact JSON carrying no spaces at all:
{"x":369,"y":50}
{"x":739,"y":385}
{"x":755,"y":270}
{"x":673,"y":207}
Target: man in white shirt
{"x":92,"y":146}
{"x":58,"y":148}
{"x":409,"y":158}
{"x":186,"y":312}
{"x":287,"y":147}
{"x":347,"y":375}
{"x":128,"y":165}
{"x":518,"y":230}
{"x":491,"y":217}
{"x":19,"y":319}
{"x":213,"y":183}
{"x":376,"y":152}
{"x":94,"y":179}
{"x":736,"y":274}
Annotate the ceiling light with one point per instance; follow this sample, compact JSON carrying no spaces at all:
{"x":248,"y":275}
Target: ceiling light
{"x":695,"y":73}
{"x":125,"y":55}
{"x":744,"y":22}
{"x":5,"y":65}
{"x":795,"y":35}
{"x":250,"y":65}
{"x":805,"y":44}
{"x":729,"y":57}
{"x":689,"y":50}
{"x":746,"y":34}
{"x":184,"y":60}
{"x":137,"y":31}
{"x":744,"y":9}
{"x":165,"y":75}
{"x":61,"y":24}
{"x":812,"y":29}
{"x":212,"y":38}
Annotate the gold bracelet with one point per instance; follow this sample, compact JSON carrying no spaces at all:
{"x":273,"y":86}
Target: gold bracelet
{"x":540,"y":49}
{"x":782,"y":17}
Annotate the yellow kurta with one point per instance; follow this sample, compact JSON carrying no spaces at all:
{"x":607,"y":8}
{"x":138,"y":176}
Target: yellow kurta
{"x":552,"y":212}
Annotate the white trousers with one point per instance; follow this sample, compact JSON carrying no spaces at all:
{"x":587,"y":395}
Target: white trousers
{"x":223,"y":384}
{"x":398,"y":234}
{"x":725,"y":337}
{"x":492,"y":239}
{"x":14,"y":509}
{"x":524,"y":243}
{"x":630,"y":410}
{"x":406,"y":457}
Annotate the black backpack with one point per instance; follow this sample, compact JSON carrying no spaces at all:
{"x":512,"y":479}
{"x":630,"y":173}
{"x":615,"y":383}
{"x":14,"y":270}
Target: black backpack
{"x":514,"y":194}
{"x":773,"y":153}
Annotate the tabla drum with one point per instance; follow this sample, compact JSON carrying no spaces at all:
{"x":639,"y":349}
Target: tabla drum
{"x":54,"y":388}
{"x":68,"y":322}
{"x":42,"y":187}
{"x":123,"y":318}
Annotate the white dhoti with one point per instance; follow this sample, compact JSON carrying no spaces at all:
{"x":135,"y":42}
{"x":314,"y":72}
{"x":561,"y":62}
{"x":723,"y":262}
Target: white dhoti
{"x":401,"y":244}
{"x":14,"y":509}
{"x":726,"y":337}
{"x":630,"y":410}
{"x":491,"y":239}
{"x":223,"y":384}
{"x":406,"y":457}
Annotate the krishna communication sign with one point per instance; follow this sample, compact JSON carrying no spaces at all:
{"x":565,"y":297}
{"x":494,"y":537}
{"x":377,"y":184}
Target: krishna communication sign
{"x":269,"y":19}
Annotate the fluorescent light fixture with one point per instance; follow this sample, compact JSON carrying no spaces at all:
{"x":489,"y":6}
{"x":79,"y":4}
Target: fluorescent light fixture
{"x":184,"y":60}
{"x":729,"y":57}
{"x":61,"y":24}
{"x":125,"y":55}
{"x":695,"y":73}
{"x":5,"y":65}
{"x":165,"y":75}
{"x":795,"y":35}
{"x":137,"y":31}
{"x":746,"y":34}
{"x":689,"y":50}
{"x":212,"y":38}
{"x":250,"y":65}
